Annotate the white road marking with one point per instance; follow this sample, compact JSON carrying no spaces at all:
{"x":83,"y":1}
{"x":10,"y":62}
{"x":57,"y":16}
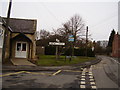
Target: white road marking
{"x":90,"y":74}
{"x":84,"y":69}
{"x":115,"y":60}
{"x":82,"y":86}
{"x":92,"y":83}
{"x":93,"y":87}
{"x":82,"y":82}
{"x":83,"y":76}
{"x":91,"y":77}
{"x":83,"y":79}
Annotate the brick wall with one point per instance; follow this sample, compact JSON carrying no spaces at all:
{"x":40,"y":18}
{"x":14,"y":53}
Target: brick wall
{"x":116,"y":46}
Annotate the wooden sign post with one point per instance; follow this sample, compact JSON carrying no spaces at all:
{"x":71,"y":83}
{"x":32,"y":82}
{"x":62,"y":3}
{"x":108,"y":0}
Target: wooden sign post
{"x":57,"y":43}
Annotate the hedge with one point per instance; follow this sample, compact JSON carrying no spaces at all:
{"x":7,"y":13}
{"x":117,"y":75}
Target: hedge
{"x":50,"y":50}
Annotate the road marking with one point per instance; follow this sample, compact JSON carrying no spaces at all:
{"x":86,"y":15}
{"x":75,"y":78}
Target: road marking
{"x":82,"y":82}
{"x":83,"y":79}
{"x":91,"y":77}
{"x":90,"y":74}
{"x":83,"y":76}
{"x":71,"y":71}
{"x":82,"y":86}
{"x":12,"y":73}
{"x":92,"y":83}
{"x":84,"y":69}
{"x":57,"y":72}
{"x":115,"y":60}
{"x":93,"y":87}
{"x":38,"y":73}
{"x":24,"y":72}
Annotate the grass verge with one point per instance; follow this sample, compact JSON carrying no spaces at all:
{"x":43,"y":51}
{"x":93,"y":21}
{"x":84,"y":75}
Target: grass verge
{"x":49,"y":60}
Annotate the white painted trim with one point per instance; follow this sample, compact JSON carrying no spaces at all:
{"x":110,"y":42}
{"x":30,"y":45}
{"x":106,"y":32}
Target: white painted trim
{"x":21,"y":48}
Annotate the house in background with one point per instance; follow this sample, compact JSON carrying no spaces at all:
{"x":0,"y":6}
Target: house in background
{"x":20,"y":41}
{"x":104,"y":43}
{"x":116,"y":46}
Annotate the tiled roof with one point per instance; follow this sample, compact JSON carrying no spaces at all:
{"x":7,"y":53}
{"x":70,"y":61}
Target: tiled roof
{"x":22,"y":25}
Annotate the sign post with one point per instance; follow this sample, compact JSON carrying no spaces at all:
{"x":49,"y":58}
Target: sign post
{"x":71,"y":39}
{"x":57,"y":43}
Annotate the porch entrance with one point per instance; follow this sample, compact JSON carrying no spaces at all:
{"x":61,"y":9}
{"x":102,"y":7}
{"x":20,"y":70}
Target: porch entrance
{"x":21,"y":50}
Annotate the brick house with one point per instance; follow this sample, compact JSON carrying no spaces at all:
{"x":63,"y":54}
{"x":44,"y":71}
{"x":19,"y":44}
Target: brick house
{"x":20,"y":41}
{"x":116,"y":46}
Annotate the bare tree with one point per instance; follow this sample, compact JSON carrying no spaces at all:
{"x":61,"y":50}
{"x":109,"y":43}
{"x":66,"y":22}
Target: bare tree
{"x":74,"y":26}
{"x":44,"y":34}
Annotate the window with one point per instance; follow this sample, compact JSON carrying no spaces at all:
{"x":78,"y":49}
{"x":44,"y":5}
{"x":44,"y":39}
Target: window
{"x":18,"y":46}
{"x":24,"y":47}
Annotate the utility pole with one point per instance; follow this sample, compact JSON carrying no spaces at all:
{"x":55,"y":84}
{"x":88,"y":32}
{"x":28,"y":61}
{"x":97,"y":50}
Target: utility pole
{"x":86,"y":39}
{"x":6,"y":31}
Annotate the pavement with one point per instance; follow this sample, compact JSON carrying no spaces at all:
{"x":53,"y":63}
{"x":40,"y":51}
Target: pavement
{"x":49,"y":68}
{"x":22,"y":62}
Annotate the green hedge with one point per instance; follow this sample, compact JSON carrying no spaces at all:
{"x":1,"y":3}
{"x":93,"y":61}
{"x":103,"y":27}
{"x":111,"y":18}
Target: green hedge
{"x":50,"y":50}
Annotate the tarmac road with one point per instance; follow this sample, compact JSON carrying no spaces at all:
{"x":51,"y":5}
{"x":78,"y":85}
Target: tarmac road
{"x":43,"y":79}
{"x":99,"y":76}
{"x":106,"y":73}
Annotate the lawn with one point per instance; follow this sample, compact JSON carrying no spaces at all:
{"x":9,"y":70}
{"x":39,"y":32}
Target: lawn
{"x":49,"y":60}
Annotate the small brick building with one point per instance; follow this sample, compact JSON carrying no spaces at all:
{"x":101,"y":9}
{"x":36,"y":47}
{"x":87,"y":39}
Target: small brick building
{"x":116,"y":46}
{"x":20,"y":41}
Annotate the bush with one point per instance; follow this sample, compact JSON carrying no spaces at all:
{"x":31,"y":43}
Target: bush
{"x":50,"y":50}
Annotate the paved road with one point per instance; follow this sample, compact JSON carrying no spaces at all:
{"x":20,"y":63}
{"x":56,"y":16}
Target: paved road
{"x":106,"y":73}
{"x":102,"y":75}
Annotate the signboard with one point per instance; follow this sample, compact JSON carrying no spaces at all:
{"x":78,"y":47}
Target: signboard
{"x":56,"y":43}
{"x":71,"y":38}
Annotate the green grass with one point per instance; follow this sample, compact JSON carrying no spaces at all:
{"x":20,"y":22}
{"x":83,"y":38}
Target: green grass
{"x":49,"y":60}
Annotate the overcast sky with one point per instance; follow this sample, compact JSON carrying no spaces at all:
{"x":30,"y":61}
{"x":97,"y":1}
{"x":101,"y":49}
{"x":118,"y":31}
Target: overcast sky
{"x":101,"y":17}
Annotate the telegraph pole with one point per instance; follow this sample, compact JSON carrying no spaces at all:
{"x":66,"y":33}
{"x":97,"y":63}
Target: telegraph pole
{"x":6,"y":31}
{"x":86,"y":39}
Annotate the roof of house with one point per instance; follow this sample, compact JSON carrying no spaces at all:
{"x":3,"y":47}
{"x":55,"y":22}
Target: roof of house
{"x":22,"y":25}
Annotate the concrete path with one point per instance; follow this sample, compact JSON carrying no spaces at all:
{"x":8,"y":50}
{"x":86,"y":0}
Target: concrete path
{"x":22,"y":62}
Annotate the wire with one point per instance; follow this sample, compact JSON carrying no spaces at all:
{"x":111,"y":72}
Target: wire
{"x":51,"y":13}
{"x":105,"y":20}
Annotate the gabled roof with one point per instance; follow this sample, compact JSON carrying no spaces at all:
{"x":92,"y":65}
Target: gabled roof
{"x":22,"y":25}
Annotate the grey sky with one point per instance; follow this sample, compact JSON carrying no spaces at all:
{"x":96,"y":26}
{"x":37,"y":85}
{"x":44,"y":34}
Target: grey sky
{"x":101,"y":17}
